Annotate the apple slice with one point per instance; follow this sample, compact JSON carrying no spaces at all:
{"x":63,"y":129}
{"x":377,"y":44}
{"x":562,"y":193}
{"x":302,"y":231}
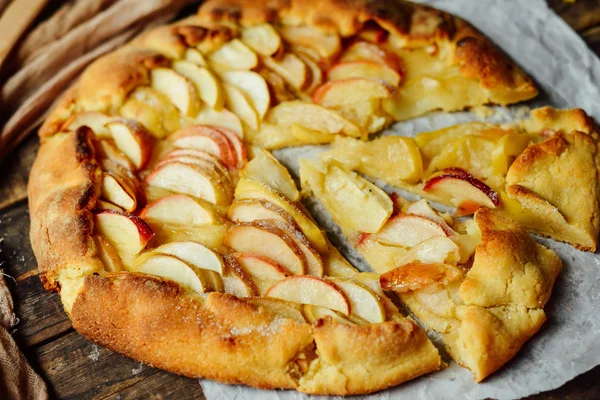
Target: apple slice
{"x":281,"y":308}
{"x":208,"y":139}
{"x":237,"y":282}
{"x":370,"y":280}
{"x":424,"y":209}
{"x":364,"y":69}
{"x":127,"y":233}
{"x":180,"y":91}
{"x":267,"y":240}
{"x":249,"y":210}
{"x":117,"y":191}
{"x":234,"y":55}
{"x":208,"y":86}
{"x":201,"y":158}
{"x":108,"y":255}
{"x":105,"y":205}
{"x":365,"y":51}
{"x":193,"y":55}
{"x":237,"y":102}
{"x":314,"y":263}
{"x":316,"y":74}
{"x":194,"y":254}
{"x":313,"y":117}
{"x":315,"y":313}
{"x":264,"y":271}
{"x":239,"y":147}
{"x":262,"y":38}
{"x":153,"y":110}
{"x":328,"y":45}
{"x":221,"y":119}
{"x":106,"y":148}
{"x":407,"y":230}
{"x":94,"y":120}
{"x":290,"y":67}
{"x":133,"y":140}
{"x":460,"y":186}
{"x":435,"y":250}
{"x":417,"y":275}
{"x":192,"y":180}
{"x":349,"y":92}
{"x":190,"y":211}
{"x":363,"y":301}
{"x":268,"y":170}
{"x":253,"y":86}
{"x":253,"y":189}
{"x":174,"y":269}
{"x":310,"y":290}
{"x":353,"y":201}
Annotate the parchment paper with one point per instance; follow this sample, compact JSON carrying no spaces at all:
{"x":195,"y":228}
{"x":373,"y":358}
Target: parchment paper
{"x":569,"y":343}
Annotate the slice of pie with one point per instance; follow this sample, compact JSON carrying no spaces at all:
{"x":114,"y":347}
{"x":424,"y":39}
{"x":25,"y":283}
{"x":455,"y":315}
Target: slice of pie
{"x":174,"y":239}
{"x":482,"y":283}
{"x":542,"y":172}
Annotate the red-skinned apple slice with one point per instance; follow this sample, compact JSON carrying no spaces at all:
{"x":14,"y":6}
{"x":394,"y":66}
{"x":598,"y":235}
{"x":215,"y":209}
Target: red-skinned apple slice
{"x":424,"y":209}
{"x":117,"y":191}
{"x":364,"y":69}
{"x":461,"y":186}
{"x":349,"y":92}
{"x":194,"y":254}
{"x":416,"y":275}
{"x":328,"y":45}
{"x":407,"y":230}
{"x":253,"y":189}
{"x":133,"y":140}
{"x":94,"y":120}
{"x":174,"y":269}
{"x":237,"y":282}
{"x":363,"y":301}
{"x":365,"y":51}
{"x":190,"y":211}
{"x":310,"y":290}
{"x":240,"y":148}
{"x":248,"y":210}
{"x":264,"y":271}
{"x":314,"y":263}
{"x":192,"y":180}
{"x":268,"y":170}
{"x":109,"y":255}
{"x":206,"y":160}
{"x":208,"y":139}
{"x":127,"y":233}
{"x":265,"y":239}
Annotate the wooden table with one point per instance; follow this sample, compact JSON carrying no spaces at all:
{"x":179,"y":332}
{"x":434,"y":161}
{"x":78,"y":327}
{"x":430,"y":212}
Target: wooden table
{"x":74,"y":367}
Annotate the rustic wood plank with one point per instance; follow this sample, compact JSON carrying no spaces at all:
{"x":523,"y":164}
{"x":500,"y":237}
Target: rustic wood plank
{"x":75,"y":368}
{"x":580,"y":14}
{"x":13,"y":180}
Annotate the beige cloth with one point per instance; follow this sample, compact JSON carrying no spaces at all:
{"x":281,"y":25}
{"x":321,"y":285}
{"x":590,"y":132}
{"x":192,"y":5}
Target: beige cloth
{"x":18,"y":381}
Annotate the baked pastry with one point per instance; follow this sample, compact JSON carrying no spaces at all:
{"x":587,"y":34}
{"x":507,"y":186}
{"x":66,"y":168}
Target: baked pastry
{"x":542,"y":172}
{"x":482,"y":284}
{"x":173,"y":239}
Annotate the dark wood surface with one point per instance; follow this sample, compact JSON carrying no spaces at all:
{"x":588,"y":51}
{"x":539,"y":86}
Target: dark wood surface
{"x":75,"y":368}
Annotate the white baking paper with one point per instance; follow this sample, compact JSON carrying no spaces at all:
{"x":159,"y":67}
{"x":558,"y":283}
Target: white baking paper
{"x":569,"y":343}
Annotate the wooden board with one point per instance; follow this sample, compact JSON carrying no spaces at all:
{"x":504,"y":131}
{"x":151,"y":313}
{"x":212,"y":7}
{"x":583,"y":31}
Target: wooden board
{"x":78,"y":369}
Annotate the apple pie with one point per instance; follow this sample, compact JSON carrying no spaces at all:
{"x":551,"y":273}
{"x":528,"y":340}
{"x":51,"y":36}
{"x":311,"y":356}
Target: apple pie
{"x":176,"y":238}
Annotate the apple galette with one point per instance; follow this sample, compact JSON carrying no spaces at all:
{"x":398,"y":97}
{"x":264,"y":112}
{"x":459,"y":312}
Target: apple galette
{"x":176,"y":238}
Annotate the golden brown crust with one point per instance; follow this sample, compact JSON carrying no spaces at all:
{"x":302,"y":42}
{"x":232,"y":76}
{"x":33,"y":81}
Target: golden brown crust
{"x":63,"y":188}
{"x":559,"y":177}
{"x":230,"y":340}
{"x":548,"y":121}
{"x":415,"y":25}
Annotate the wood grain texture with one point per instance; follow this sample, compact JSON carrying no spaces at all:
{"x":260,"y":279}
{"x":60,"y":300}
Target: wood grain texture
{"x":78,"y":369}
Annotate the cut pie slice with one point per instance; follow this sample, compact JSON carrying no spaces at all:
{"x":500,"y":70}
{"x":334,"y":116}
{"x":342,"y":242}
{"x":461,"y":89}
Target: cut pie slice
{"x":542,"y":172}
{"x":481,"y":284}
